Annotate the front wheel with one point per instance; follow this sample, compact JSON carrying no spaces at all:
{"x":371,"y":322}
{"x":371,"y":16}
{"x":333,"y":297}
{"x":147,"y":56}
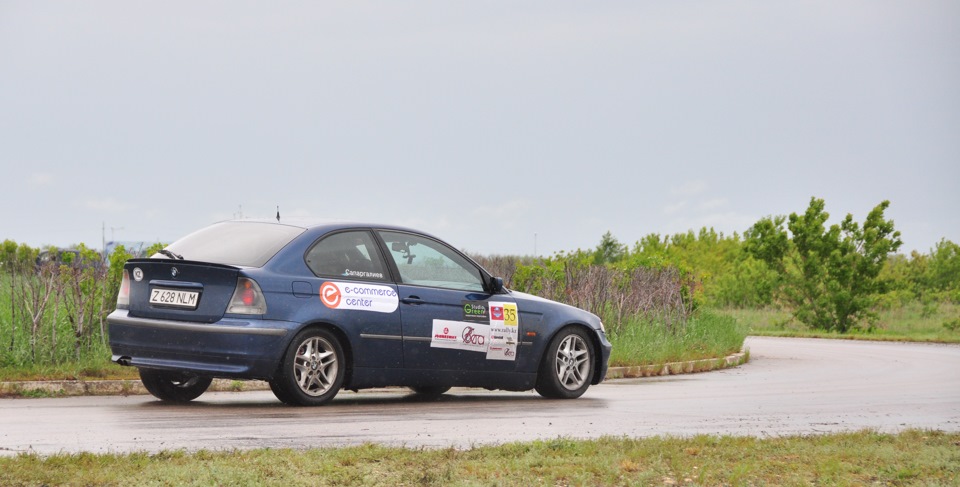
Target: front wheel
{"x":312,"y":369}
{"x":173,"y":386}
{"x":567,"y":365}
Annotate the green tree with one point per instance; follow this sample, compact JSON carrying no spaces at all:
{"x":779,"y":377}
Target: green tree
{"x":749,"y":283}
{"x":721,"y":271}
{"x":153,"y":249}
{"x":829,"y":275}
{"x":899,"y":278}
{"x":609,"y":250}
{"x":8,"y":255}
{"x":942,"y":273}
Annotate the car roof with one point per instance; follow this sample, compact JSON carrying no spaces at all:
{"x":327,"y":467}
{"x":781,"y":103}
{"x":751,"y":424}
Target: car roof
{"x":324,"y":225}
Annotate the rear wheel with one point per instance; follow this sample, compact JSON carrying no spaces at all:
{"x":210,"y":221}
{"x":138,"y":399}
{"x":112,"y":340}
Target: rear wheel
{"x":312,"y":369}
{"x":567,"y":365}
{"x":174,"y":386}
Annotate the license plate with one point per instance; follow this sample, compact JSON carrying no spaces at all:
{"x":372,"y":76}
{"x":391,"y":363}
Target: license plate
{"x":173,"y":297}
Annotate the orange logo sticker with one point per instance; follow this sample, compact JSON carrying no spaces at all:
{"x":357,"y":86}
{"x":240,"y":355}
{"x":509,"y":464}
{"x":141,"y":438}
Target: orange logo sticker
{"x":330,"y":294}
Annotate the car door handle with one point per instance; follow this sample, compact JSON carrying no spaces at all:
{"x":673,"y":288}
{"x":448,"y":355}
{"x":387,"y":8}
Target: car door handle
{"x":412,"y":300}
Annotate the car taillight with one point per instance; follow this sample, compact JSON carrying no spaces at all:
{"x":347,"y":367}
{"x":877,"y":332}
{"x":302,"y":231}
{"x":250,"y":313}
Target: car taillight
{"x":123,"y":297}
{"x":247,"y":298}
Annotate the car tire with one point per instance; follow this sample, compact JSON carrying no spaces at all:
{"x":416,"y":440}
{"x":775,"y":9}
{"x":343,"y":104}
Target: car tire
{"x":312,"y":369}
{"x":173,"y":386}
{"x":567,"y":366}
{"x":430,"y":391}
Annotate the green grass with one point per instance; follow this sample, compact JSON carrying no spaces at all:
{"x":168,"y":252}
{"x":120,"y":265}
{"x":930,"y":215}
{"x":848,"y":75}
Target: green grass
{"x":706,"y":335}
{"x":91,"y":366}
{"x":912,"y":322}
{"x":51,"y":351}
{"x":862,"y":458}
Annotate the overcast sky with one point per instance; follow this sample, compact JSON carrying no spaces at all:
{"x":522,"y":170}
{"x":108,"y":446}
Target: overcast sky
{"x":503,"y":127}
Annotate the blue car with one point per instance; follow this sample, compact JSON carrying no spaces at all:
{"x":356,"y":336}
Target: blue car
{"x":313,"y":308}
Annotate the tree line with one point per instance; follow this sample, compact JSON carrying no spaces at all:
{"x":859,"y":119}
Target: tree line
{"x":831,"y":277}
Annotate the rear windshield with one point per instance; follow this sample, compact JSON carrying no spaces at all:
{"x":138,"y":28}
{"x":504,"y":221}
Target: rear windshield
{"x":246,"y":244}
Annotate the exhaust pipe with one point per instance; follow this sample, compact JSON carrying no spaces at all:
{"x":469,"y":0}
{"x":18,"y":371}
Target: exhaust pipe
{"x":124,"y":360}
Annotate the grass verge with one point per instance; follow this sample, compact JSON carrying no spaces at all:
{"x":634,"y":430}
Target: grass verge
{"x":706,"y":335}
{"x":912,"y":322}
{"x":94,"y":365}
{"x":909,"y":458}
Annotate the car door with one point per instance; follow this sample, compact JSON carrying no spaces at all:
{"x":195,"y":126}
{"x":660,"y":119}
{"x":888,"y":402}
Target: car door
{"x":357,"y":293}
{"x":449,"y":321}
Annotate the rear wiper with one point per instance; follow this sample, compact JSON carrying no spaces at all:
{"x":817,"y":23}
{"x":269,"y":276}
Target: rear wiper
{"x":170,"y":254}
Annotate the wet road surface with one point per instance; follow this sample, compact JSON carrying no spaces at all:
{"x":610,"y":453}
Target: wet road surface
{"x":790,"y":386}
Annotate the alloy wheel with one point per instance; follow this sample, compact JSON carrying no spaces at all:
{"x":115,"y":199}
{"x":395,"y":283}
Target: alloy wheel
{"x":315,"y":366}
{"x":573,"y":362}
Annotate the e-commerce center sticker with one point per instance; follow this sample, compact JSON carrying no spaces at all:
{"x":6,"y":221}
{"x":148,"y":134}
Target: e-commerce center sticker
{"x":366,"y":297}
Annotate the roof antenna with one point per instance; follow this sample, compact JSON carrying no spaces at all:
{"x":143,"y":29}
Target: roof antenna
{"x":278,"y":213}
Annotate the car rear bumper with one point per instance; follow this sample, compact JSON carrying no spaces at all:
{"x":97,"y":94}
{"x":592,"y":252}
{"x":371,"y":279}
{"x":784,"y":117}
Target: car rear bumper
{"x":230,"y":348}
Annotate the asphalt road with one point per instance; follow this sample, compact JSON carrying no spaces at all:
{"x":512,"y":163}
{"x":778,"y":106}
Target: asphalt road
{"x":791,"y":386}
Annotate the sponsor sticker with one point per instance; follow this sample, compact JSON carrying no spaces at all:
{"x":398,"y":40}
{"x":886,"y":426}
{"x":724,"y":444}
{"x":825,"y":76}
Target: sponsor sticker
{"x":475,"y":312}
{"x":460,"y":335}
{"x":504,"y":331}
{"x":502,"y":352}
{"x":365,"y":297}
{"x":489,"y":327}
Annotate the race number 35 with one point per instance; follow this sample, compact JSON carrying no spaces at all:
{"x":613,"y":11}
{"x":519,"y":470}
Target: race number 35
{"x":510,"y":314}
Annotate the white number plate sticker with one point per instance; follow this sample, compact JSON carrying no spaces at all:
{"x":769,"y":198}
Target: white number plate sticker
{"x":170,"y":297}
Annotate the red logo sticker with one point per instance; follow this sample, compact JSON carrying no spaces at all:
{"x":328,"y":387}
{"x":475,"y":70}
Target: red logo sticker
{"x":471,"y":338}
{"x":496,"y":312}
{"x":330,"y":294}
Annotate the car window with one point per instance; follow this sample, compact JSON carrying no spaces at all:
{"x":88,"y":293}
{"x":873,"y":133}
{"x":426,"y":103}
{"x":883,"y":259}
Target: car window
{"x":249,"y":244}
{"x":425,"y":262}
{"x":347,"y":254}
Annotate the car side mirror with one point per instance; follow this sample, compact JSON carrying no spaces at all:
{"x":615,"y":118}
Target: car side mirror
{"x":496,"y":285}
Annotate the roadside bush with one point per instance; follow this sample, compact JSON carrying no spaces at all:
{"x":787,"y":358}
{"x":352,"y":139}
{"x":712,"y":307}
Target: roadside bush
{"x":55,"y":312}
{"x":502,"y":266}
{"x":952,"y":325}
{"x":650,"y":309}
{"x":615,"y":293}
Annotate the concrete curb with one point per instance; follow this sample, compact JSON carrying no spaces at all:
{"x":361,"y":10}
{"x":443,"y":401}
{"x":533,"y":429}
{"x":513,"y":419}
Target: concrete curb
{"x":674,"y":368}
{"x":62,"y":388}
